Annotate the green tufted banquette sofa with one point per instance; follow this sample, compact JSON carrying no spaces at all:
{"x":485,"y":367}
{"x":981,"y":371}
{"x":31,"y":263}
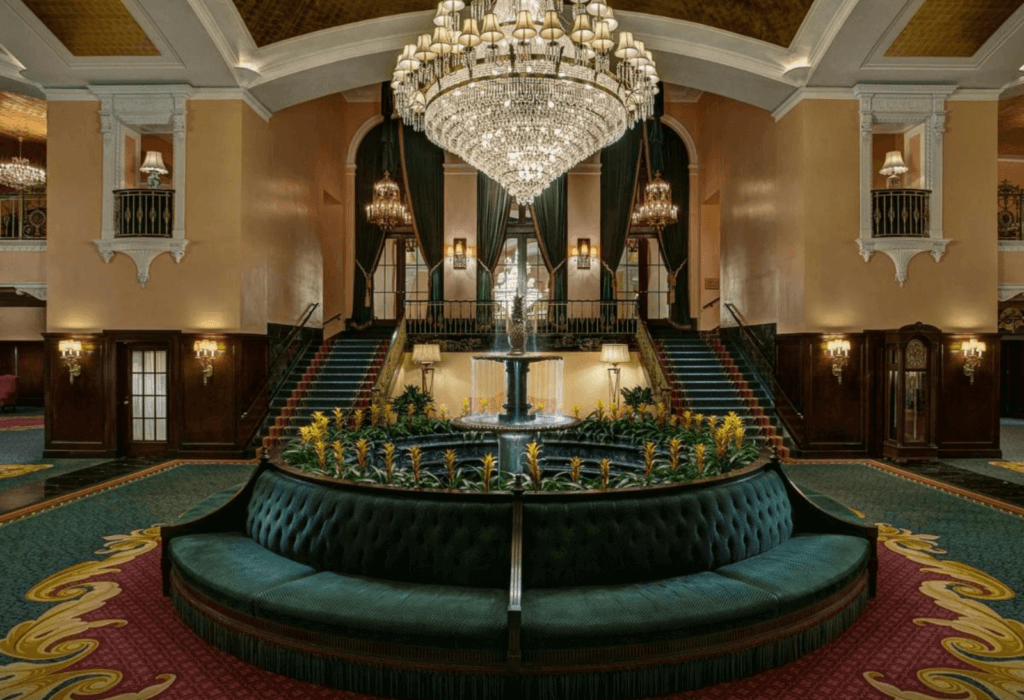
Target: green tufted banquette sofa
{"x":627,"y":593}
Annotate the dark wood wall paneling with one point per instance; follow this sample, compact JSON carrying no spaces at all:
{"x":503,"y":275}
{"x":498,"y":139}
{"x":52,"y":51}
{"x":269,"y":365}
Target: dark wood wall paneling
{"x":847,"y":420}
{"x":24,"y":358}
{"x":89,"y":417}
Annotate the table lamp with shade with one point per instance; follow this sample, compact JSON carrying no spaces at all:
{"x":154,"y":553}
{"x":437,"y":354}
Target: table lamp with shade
{"x":893,"y":168}
{"x":426,"y":355}
{"x":614,"y":354}
{"x":154,"y":165}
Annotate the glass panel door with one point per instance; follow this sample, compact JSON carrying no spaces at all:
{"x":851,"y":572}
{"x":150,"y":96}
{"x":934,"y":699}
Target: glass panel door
{"x":149,"y":396}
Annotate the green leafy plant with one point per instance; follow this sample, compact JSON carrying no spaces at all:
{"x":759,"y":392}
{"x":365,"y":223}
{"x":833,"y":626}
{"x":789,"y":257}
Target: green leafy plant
{"x":412,"y":402}
{"x":637,"y":398}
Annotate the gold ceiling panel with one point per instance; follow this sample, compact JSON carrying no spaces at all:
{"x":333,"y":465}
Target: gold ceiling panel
{"x":1011,"y":127}
{"x":774,"y":21}
{"x":93,"y":27}
{"x":951,"y":28}
{"x":22,"y":116}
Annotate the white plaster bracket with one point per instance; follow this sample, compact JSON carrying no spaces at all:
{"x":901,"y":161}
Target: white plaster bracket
{"x":902,"y":251}
{"x":31,"y":289}
{"x":142,"y":251}
{"x":1009,"y":291}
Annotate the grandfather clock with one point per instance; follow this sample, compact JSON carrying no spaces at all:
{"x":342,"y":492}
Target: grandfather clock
{"x":913,"y":356}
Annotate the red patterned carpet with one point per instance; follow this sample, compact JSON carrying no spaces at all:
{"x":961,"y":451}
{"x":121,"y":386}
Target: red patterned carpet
{"x":21,"y":422}
{"x":914,"y":641}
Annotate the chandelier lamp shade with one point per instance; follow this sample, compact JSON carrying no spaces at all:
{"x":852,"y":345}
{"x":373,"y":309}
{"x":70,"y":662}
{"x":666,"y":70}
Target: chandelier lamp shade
{"x":523,"y":90}
{"x":656,"y":210}
{"x":387,"y":210}
{"x":19,"y":174}
{"x":154,"y":166}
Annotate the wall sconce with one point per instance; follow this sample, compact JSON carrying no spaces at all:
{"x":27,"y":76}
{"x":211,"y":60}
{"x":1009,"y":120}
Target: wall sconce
{"x":425,"y":356}
{"x":459,"y":253}
{"x":839,"y":350}
{"x":633,"y":246}
{"x":70,"y":354}
{"x":614,"y":354}
{"x":206,"y":352}
{"x":410,"y":251}
{"x":583,"y":252}
{"x":973,"y":352}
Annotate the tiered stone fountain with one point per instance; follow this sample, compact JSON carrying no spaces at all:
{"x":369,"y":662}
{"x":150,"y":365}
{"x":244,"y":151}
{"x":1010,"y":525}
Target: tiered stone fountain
{"x":517,"y":425}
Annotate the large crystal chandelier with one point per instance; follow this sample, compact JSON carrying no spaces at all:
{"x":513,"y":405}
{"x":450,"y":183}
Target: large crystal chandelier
{"x":387,"y":209}
{"x":657,"y":210}
{"x":19,"y":174}
{"x":521,"y":92}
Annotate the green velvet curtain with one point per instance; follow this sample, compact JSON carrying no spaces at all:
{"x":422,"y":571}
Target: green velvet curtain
{"x":674,"y":241}
{"x":619,"y":164}
{"x":423,"y":176}
{"x":492,"y":205}
{"x":551,"y":222}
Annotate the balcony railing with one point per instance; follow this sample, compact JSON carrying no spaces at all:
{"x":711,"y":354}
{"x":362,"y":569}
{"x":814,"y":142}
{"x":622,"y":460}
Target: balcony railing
{"x":544,"y":318}
{"x":1011,"y":203}
{"x":900,"y":212}
{"x":23,"y":217}
{"x":143,"y":213}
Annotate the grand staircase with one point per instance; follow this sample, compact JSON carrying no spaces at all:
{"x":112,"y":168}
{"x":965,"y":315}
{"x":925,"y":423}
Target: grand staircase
{"x":712,"y":379}
{"x":340,"y":373}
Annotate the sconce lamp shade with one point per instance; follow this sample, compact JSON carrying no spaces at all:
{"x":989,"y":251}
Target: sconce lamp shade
{"x":70,"y":348}
{"x":614,"y":354}
{"x":428,"y":353}
{"x":974,"y":347}
{"x":154,"y":163}
{"x":894,"y":164}
{"x":205,"y":348}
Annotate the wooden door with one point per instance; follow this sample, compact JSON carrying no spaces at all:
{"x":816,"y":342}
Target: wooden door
{"x":1012,"y":378}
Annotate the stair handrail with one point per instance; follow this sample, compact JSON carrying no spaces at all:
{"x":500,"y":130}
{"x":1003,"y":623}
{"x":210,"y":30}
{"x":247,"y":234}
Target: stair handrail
{"x":711,"y":303}
{"x":283,"y":354}
{"x":766,"y":370}
{"x":381,"y":390}
{"x":652,"y":364}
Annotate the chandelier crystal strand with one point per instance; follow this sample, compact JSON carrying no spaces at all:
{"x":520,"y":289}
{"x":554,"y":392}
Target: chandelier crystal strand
{"x":387,"y":209}
{"x":521,"y":91}
{"x":657,"y":210}
{"x":19,"y":174}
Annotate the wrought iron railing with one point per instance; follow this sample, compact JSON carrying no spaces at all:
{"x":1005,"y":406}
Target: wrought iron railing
{"x":23,"y":217}
{"x":664,"y":392}
{"x":900,"y":212}
{"x":1011,"y":204}
{"x":143,"y":213}
{"x":381,"y":391}
{"x":573,"y":317}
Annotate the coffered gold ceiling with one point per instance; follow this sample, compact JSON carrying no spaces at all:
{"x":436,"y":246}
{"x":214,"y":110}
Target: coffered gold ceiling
{"x":22,"y":116}
{"x":93,"y":27}
{"x":773,"y":21}
{"x":951,"y":28}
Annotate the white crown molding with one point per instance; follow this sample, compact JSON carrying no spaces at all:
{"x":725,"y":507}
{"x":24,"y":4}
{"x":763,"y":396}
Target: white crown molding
{"x":811,"y":93}
{"x":22,"y":246}
{"x":30,"y":289}
{"x":1011,"y":246}
{"x":242,"y":94}
{"x":1009,"y":291}
{"x":902,"y":251}
{"x":70,"y":95}
{"x":142,"y":251}
{"x":1011,"y":159}
{"x":975,"y":95}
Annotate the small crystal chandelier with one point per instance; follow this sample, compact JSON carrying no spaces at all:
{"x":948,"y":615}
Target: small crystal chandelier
{"x":387,"y":209}
{"x":19,"y":174}
{"x":521,"y":93}
{"x":657,"y":210}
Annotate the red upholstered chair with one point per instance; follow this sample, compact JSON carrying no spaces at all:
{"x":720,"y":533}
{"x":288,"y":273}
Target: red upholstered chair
{"x":8,"y":391}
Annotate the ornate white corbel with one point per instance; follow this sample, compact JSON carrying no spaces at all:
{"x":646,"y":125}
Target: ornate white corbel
{"x":31,"y":289}
{"x":142,"y":251}
{"x":902,"y":250}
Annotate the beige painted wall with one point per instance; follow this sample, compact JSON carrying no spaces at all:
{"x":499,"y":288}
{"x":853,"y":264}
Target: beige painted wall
{"x":841,"y":292}
{"x":584,"y":220}
{"x":459,"y":222}
{"x":22,"y":322}
{"x":22,"y":267}
{"x":709,"y":267}
{"x":584,"y":379}
{"x":737,"y":160}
